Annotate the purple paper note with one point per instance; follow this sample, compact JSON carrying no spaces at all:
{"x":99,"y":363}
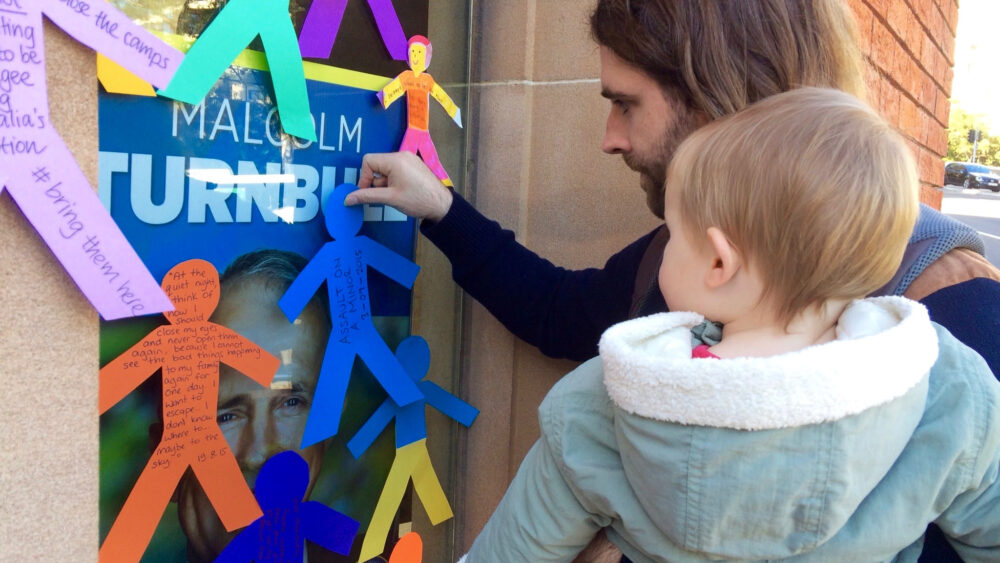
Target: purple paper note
{"x":103,"y":28}
{"x":319,"y":31}
{"x":41,"y":174}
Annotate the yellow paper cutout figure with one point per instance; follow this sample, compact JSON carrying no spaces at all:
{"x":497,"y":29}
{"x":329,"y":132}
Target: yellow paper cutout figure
{"x":418,"y":87}
{"x":412,"y":459}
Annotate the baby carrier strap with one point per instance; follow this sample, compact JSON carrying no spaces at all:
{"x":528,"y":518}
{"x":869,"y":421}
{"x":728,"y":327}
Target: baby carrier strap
{"x":934,"y":235}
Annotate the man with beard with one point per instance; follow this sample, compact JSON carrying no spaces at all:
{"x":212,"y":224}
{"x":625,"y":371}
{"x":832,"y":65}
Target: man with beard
{"x":660,"y":91}
{"x":668,"y":67}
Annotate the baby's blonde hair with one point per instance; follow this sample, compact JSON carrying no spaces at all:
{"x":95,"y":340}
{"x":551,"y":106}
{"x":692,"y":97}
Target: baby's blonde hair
{"x":814,"y":189}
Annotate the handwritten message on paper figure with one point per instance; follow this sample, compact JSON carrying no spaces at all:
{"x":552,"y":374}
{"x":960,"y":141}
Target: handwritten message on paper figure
{"x":418,"y":87}
{"x":343,"y":265}
{"x":188,"y":350}
{"x":42,"y":176}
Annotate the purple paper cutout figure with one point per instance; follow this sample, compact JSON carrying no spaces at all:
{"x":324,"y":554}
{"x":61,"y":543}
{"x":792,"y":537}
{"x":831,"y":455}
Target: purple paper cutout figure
{"x":343,"y":264}
{"x":42,"y":175}
{"x":319,"y":31}
{"x":415,"y":356}
{"x":278,"y":536}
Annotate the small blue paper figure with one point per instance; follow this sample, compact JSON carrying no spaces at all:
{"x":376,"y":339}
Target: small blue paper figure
{"x":280,"y":534}
{"x":343,"y":264}
{"x":412,"y":460}
{"x":411,"y":426}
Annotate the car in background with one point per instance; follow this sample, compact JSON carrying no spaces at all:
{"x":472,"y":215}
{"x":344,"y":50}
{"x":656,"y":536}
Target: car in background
{"x":969,"y":175}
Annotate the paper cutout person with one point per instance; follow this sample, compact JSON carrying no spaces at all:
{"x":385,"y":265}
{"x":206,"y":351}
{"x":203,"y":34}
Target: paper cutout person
{"x":418,"y":87}
{"x":319,"y":31}
{"x":343,"y":264}
{"x":42,"y":175}
{"x":188,"y":350}
{"x":279,"y":535}
{"x":412,"y":459}
{"x":228,"y":34}
{"x":409,"y":549}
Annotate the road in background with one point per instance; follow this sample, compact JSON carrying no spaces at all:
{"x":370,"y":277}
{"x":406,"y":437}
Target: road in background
{"x":979,"y":209}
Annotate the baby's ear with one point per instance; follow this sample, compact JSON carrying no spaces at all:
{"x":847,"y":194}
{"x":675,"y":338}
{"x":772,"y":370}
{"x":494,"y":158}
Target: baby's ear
{"x":726,"y":259}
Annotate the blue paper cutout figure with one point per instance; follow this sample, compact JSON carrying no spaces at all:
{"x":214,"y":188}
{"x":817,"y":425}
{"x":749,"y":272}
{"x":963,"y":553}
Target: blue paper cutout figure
{"x":279,"y":535}
{"x":412,"y":461}
{"x":411,"y":426}
{"x":343,"y":264}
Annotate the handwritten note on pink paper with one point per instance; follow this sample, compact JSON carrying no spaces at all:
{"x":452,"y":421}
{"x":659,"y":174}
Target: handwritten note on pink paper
{"x":323,"y":22}
{"x":42,"y":176}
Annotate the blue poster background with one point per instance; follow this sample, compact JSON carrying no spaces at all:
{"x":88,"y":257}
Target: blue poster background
{"x":152,"y":153}
{"x":235,"y":114}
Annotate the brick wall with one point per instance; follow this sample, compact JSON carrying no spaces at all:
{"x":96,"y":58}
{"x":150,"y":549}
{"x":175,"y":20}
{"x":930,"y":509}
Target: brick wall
{"x":910,"y":47}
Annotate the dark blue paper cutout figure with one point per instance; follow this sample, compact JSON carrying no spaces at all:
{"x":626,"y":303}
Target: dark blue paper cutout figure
{"x":415,"y":356}
{"x":279,"y":535}
{"x":343,"y":264}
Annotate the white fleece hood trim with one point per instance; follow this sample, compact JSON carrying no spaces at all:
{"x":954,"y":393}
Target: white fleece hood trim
{"x":884,"y":346}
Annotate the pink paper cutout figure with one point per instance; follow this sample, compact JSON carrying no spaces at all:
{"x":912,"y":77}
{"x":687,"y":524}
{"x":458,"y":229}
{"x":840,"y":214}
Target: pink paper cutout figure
{"x":418,"y":87}
{"x":319,"y":31}
{"x":188,"y":350}
{"x":42,"y":175}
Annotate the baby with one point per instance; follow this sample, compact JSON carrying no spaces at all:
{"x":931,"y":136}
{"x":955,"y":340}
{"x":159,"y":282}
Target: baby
{"x":819,"y":424}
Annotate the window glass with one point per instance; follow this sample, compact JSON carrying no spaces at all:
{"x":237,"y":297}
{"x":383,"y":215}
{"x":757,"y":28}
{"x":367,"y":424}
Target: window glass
{"x":220,"y":181}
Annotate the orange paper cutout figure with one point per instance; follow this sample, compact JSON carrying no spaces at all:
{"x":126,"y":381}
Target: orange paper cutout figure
{"x":409,"y":549}
{"x":188,"y":350}
{"x":418,"y":86}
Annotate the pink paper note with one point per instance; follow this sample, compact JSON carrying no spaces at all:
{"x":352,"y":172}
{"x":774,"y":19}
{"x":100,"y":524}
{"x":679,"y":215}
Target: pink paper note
{"x":41,"y":174}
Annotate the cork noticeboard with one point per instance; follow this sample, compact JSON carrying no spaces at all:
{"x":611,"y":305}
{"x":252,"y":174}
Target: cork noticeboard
{"x":48,"y":354}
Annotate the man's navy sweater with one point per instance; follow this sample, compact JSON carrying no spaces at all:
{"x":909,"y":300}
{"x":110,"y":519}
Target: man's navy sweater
{"x":564,"y":312}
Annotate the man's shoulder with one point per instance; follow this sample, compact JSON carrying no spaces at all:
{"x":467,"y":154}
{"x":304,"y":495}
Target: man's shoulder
{"x":954,"y":267}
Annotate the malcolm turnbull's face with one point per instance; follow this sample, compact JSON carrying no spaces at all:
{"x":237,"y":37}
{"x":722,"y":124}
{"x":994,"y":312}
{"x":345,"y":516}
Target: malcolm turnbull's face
{"x":256,"y":421}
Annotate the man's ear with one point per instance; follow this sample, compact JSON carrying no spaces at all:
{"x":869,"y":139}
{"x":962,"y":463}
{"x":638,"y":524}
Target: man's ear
{"x":726,"y":260}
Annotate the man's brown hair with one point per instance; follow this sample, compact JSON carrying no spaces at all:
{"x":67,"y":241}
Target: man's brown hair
{"x":718,"y":56}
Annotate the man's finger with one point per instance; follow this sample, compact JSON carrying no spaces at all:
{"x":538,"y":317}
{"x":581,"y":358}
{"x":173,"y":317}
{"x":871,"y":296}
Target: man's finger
{"x":370,"y":195}
{"x":371,"y":165}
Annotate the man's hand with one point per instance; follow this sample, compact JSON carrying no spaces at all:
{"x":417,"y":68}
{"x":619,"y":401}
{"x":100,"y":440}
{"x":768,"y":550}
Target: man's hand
{"x":403,"y":181}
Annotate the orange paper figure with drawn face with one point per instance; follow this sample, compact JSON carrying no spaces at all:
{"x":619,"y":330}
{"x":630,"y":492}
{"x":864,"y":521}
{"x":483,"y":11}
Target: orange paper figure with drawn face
{"x":188,"y":350}
{"x":418,"y":87}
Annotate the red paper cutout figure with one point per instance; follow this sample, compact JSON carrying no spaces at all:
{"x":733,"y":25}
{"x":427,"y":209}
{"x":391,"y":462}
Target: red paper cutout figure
{"x":188,"y":350}
{"x":418,"y":86}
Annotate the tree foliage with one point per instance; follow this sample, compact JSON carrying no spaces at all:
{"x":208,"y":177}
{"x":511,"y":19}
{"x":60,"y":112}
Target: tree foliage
{"x":959,"y":146}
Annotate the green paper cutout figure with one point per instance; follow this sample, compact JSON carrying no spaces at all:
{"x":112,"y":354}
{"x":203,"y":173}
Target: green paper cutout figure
{"x":226,"y":37}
